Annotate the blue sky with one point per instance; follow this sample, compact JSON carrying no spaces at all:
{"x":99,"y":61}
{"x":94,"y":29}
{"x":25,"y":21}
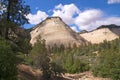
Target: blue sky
{"x":78,"y":14}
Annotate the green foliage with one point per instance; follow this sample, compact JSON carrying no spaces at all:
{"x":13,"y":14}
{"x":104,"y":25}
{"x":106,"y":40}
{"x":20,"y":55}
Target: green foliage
{"x":10,"y":20}
{"x":69,"y":60}
{"x":41,"y":58}
{"x":24,"y":45}
{"x":8,"y":70}
{"x":37,"y":49}
{"x":16,"y":10}
{"x":108,"y":62}
{"x":25,"y":59}
{"x":77,"y":67}
{"x":10,"y":31}
{"x":103,"y":59}
{"x":4,"y":27}
{"x":44,"y":60}
{"x":57,"y":69}
{"x":12,"y":42}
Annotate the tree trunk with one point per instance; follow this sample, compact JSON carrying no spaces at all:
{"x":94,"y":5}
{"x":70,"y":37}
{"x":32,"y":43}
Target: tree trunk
{"x":8,"y":19}
{"x":8,"y":10}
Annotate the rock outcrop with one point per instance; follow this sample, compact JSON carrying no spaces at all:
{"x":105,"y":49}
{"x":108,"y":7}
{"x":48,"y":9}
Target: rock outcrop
{"x":101,"y":34}
{"x":55,"y":31}
{"x":28,"y":73}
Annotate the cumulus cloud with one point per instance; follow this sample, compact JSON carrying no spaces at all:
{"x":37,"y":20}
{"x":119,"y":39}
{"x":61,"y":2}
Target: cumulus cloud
{"x":36,"y":18}
{"x":84,"y":20}
{"x":79,"y":19}
{"x":88,"y":17}
{"x":71,"y":14}
{"x":113,"y":1}
{"x":101,"y":21}
{"x":66,"y":12}
{"x":107,"y":21}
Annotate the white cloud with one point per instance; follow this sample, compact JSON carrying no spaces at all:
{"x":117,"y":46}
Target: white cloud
{"x":87,"y":17}
{"x":101,"y":21}
{"x":66,"y":12}
{"x":81,"y":20}
{"x":113,"y":1}
{"x":36,"y":18}
{"x":84,"y":20}
{"x":107,"y":21}
{"x":60,"y":6}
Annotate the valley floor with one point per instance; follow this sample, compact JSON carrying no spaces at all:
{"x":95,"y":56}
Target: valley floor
{"x":83,"y":76}
{"x":28,"y":73}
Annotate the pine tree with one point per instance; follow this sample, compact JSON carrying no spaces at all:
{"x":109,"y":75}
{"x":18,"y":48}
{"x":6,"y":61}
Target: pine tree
{"x":8,"y":69}
{"x":15,"y":11}
{"x":41,"y":58}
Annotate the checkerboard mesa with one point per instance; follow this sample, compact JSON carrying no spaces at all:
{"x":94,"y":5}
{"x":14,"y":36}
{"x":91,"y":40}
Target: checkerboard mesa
{"x":55,"y":31}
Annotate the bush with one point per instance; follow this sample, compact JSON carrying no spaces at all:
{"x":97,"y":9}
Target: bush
{"x":8,"y":70}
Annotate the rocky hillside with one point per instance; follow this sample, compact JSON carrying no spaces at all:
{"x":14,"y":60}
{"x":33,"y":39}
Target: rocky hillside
{"x":101,"y":34}
{"x":55,"y":31}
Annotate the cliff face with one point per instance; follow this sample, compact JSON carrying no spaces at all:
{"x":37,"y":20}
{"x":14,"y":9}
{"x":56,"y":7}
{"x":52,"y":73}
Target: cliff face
{"x":99,"y":35}
{"x":55,"y":31}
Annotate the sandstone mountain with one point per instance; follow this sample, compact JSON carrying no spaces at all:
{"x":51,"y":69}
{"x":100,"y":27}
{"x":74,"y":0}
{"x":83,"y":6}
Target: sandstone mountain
{"x":55,"y":31}
{"x":102,"y":33}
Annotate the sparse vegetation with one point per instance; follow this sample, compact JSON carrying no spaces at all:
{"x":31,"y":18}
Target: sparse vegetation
{"x":102,"y":59}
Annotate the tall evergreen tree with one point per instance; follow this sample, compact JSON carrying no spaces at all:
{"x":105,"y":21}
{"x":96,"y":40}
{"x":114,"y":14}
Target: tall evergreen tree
{"x":8,"y":70}
{"x":16,"y":10}
{"x":41,"y":58}
{"x":13,"y":11}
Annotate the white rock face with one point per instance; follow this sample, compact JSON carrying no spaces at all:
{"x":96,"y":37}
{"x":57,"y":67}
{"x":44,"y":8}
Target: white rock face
{"x":55,"y":31}
{"x":99,"y":35}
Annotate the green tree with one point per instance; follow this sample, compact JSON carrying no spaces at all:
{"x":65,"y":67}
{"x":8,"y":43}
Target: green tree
{"x":108,"y":62}
{"x":41,"y":58}
{"x":16,"y":10}
{"x":57,"y":69}
{"x":8,"y":70}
